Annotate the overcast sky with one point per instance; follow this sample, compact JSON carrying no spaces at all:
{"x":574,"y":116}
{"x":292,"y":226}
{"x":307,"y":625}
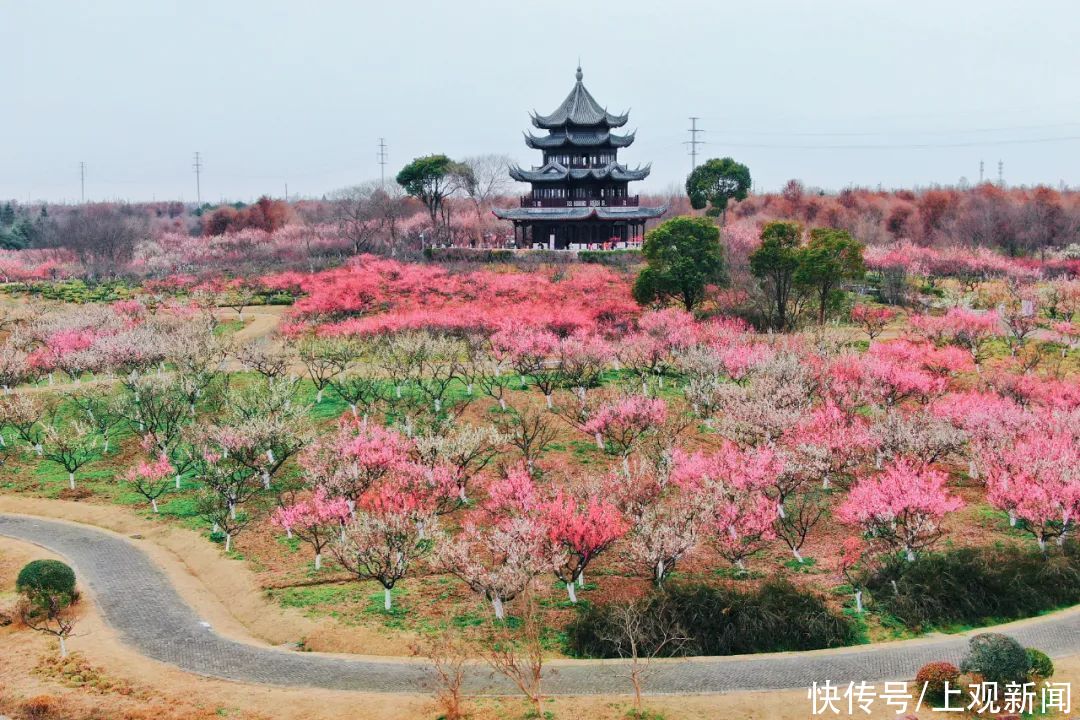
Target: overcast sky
{"x":833,"y":92}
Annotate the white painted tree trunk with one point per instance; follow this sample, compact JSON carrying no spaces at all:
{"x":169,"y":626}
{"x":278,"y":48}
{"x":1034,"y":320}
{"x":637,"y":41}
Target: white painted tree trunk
{"x":178,"y":481}
{"x":387,"y":601}
{"x":318,"y":396}
{"x":798,"y":556}
{"x":228,"y":542}
{"x":153,"y":504}
{"x":63,"y":647}
{"x":548,"y":399}
{"x":659,"y":571}
{"x":438,"y":405}
{"x":910,"y":555}
{"x":570,"y":591}
{"x":502,"y":404}
{"x":858,"y":601}
{"x":352,"y":408}
{"x":497,"y":603}
{"x":581,"y":579}
{"x":1012,"y":518}
{"x":71,"y":480}
{"x":599,"y":441}
{"x":318,"y":561}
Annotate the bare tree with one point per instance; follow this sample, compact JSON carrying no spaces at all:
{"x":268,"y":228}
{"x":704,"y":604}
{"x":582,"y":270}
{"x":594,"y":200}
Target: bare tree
{"x":639,"y":634}
{"x":488,"y":178}
{"x":449,"y":657}
{"x":529,"y":430}
{"x":359,"y":215}
{"x":520,"y":659}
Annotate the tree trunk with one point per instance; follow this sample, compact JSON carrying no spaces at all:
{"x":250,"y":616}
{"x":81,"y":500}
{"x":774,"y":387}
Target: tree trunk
{"x":570,"y":591}
{"x":228,"y":542}
{"x":71,"y":480}
{"x":497,"y":603}
{"x":858,"y":601}
{"x":153,"y":504}
{"x":318,"y":561}
{"x":387,"y":602}
{"x":63,"y":647}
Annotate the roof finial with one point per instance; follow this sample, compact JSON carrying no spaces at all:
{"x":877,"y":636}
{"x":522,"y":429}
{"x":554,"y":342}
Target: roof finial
{"x":578,"y":74}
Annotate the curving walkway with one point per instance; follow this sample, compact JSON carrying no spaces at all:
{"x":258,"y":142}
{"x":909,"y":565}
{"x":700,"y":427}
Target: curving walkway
{"x":138,"y":601}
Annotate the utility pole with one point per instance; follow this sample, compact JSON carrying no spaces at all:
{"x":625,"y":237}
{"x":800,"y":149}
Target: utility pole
{"x":382,"y":156}
{"x":82,"y":182}
{"x":693,"y":142}
{"x":198,"y":172}
{"x":1001,"y":173}
{"x":980,"y":172}
{"x":286,"y":192}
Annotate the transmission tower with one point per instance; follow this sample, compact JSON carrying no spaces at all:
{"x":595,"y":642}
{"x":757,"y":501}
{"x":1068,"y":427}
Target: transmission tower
{"x":382,"y":157}
{"x":980,"y":172}
{"x":82,"y":182}
{"x":1001,"y":173}
{"x":198,"y":173}
{"x":693,"y":142}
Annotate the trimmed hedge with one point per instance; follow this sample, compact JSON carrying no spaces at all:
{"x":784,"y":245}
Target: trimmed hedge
{"x":774,"y":617}
{"x":976,"y":586}
{"x":46,"y":576}
{"x":997,"y":658}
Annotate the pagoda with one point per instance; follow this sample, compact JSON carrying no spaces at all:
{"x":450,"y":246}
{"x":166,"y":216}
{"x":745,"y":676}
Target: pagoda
{"x":579,"y":197}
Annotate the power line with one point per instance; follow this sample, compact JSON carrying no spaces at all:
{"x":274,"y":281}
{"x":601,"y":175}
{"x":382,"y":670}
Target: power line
{"x":198,"y":172}
{"x":907,"y":146}
{"x":693,"y":142}
{"x":382,"y":157}
{"x":861,"y":133}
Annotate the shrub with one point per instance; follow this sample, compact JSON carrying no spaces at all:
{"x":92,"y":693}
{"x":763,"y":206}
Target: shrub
{"x":1039,"y":664}
{"x":934,"y":676}
{"x":997,"y":658}
{"x":46,"y":576}
{"x":39,"y":707}
{"x":976,"y":586}
{"x":720,"y":621}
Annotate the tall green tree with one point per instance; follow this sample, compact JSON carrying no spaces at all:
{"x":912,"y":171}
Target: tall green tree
{"x":774,"y":264}
{"x":830,"y":257}
{"x":684,"y":256}
{"x":431,"y":179}
{"x":717,"y":182}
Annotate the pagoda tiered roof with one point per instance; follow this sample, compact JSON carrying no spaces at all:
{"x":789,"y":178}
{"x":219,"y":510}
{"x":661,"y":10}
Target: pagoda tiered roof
{"x":579,"y":108}
{"x":578,"y":137}
{"x":557,"y":172}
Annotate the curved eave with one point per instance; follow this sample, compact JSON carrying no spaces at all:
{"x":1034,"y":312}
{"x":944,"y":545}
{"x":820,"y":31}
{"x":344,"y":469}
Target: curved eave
{"x":554,"y":122}
{"x":585,"y":213}
{"x":556,"y":172}
{"x":569,"y":139}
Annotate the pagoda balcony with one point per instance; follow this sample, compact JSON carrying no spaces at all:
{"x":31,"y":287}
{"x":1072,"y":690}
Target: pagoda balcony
{"x":528,"y":201}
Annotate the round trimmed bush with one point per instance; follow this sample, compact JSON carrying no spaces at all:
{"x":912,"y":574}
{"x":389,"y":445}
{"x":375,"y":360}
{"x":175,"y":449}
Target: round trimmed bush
{"x":997,"y":658}
{"x":934,"y":676}
{"x":46,"y":576}
{"x":1039,"y":664}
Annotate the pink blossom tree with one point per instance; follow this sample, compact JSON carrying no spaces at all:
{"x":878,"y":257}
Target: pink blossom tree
{"x":872,"y":319}
{"x":497,"y":559}
{"x":580,"y":528}
{"x":731,"y":485}
{"x":1035,"y":477}
{"x":316,"y":520}
{"x":151,"y":479}
{"x":620,"y":425}
{"x":901,"y":507}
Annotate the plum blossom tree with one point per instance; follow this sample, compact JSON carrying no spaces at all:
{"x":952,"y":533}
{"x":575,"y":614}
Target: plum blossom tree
{"x":901,"y":507}
{"x":354,"y":458}
{"x":852,"y":551}
{"x":872,"y":319}
{"x":151,"y":479}
{"x":580,"y":528}
{"x":387,"y":534}
{"x":497,"y":560}
{"x":316,"y":520}
{"x":730,"y":487}
{"x":621,"y":425}
{"x":662,"y":533}
{"x":70,"y":444}
{"x":1036,"y":478}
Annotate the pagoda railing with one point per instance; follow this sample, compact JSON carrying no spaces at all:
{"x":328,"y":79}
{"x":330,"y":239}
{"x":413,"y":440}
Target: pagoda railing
{"x":530,"y":201}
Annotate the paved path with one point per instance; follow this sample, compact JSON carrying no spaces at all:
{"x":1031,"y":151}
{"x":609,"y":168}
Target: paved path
{"x":139,"y":602}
